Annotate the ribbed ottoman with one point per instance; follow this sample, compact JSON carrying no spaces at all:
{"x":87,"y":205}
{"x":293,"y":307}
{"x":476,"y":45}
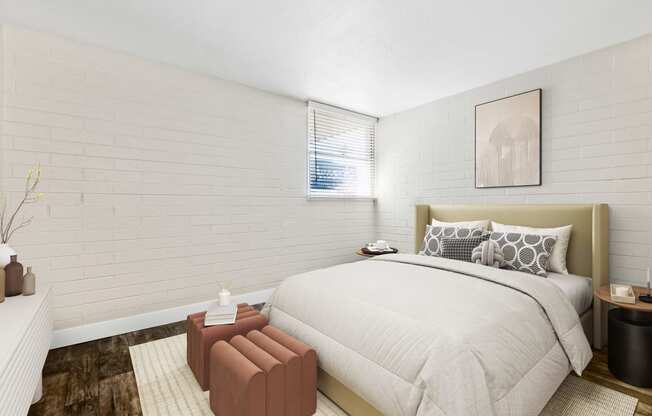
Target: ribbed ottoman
{"x":200,"y":339}
{"x":289,"y":378}
{"x":308,"y":377}
{"x":274,"y":374}
{"x":238,"y":386}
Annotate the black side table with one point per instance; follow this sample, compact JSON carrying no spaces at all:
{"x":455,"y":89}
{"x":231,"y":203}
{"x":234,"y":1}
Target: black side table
{"x":630,"y":339}
{"x":630,"y":346}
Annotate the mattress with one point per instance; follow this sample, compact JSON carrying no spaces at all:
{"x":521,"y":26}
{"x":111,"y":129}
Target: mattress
{"x":421,"y":335}
{"x":578,"y":289}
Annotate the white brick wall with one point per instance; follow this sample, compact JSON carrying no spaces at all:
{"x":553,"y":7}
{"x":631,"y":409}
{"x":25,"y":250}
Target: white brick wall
{"x":597,"y":147}
{"x":159,"y":183}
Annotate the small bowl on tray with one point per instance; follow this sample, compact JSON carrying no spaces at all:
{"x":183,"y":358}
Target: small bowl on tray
{"x":374,"y":252}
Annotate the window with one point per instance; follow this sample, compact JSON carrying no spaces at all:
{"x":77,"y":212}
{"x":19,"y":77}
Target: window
{"x":341,"y":153}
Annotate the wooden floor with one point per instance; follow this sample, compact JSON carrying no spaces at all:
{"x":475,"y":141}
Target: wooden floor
{"x":598,"y":372}
{"x":96,"y":378}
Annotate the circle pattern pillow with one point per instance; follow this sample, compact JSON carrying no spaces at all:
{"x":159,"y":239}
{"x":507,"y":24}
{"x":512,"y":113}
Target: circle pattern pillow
{"x":525,"y":252}
{"x":488,"y":253}
{"x":434,"y":235}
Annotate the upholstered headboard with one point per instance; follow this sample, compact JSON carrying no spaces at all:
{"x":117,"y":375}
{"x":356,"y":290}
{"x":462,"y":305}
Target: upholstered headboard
{"x":589,"y":244}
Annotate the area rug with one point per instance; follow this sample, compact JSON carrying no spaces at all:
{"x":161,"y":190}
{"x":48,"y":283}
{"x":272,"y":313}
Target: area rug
{"x":167,"y":387}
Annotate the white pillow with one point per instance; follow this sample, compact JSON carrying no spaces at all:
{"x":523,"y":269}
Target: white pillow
{"x":557,"y":260}
{"x":484,"y":224}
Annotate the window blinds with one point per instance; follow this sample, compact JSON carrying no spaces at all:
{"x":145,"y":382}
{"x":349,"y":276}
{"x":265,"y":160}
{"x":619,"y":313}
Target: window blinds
{"x":341,"y":152}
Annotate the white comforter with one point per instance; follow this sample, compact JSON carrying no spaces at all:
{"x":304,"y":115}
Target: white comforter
{"x":418,"y":335}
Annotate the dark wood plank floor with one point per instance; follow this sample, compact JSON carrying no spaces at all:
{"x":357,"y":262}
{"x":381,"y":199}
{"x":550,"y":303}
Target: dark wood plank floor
{"x":96,"y":378}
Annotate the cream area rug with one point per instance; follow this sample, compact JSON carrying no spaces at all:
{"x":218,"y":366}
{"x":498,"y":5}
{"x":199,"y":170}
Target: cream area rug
{"x":167,"y":387}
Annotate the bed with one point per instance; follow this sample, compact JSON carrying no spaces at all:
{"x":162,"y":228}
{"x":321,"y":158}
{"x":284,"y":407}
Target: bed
{"x":416,"y":335}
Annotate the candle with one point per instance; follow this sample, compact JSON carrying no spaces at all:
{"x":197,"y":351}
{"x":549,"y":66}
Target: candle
{"x":648,"y":279}
{"x":225,"y":297}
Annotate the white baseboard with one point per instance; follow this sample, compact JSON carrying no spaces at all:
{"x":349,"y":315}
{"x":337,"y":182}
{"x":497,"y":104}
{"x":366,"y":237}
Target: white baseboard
{"x":97,"y":330}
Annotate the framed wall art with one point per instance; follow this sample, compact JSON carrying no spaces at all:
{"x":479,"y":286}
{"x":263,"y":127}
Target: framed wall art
{"x":508,"y":141}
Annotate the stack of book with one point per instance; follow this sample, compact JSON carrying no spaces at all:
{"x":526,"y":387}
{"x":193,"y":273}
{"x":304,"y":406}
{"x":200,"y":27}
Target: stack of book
{"x":220,"y":315}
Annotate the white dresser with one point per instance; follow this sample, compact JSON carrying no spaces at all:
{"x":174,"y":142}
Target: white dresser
{"x":25,"y":336}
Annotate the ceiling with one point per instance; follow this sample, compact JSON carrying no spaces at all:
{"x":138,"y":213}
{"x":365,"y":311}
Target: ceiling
{"x":376,"y":56}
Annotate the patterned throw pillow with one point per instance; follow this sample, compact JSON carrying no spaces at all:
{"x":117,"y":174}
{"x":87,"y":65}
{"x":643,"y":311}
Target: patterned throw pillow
{"x":525,"y":252}
{"x":460,"y":248}
{"x":434,"y":234}
{"x":488,"y":253}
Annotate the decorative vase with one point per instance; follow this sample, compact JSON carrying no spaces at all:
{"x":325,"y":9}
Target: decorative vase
{"x":14,"y":278}
{"x":5,"y":254}
{"x":29,"y":282}
{"x":2,"y":284}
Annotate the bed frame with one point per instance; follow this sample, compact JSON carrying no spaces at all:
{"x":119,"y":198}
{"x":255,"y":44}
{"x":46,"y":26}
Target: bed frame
{"x":588,"y":255}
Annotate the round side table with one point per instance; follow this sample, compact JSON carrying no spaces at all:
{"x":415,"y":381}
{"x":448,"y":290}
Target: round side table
{"x":630,"y":339}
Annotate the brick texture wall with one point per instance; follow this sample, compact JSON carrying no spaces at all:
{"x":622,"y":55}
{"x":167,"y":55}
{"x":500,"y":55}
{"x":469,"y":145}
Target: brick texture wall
{"x":159,"y":183}
{"x":597,"y":147}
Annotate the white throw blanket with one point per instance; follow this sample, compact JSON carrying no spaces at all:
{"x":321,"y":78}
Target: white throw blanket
{"x":418,"y":335}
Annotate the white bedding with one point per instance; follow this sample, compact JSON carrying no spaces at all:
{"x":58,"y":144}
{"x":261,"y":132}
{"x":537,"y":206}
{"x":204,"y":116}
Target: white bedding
{"x":418,"y":335}
{"x":578,"y":289}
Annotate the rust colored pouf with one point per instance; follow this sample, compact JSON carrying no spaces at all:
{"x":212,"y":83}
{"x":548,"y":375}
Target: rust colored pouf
{"x":289,"y":369}
{"x":274,"y":374}
{"x":308,"y":383}
{"x":292,"y":363}
{"x":195,"y":322}
{"x":200,"y":339}
{"x":238,"y":386}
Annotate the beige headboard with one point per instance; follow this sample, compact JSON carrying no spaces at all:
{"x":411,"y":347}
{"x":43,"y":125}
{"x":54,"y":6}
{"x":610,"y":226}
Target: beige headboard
{"x":588,"y":252}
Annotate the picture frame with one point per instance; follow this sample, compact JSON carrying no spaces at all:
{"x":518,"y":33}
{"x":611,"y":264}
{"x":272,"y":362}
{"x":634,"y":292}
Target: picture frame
{"x":507,"y":139}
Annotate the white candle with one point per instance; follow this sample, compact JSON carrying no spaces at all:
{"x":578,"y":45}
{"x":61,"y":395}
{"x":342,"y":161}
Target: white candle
{"x":225,"y":297}
{"x":648,"y":277}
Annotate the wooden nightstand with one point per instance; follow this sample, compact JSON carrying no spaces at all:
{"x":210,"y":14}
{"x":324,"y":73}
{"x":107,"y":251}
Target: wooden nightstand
{"x":630,"y":339}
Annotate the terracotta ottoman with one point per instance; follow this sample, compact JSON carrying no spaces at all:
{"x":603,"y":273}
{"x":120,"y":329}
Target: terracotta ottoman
{"x":200,"y":339}
{"x":290,"y":379}
{"x":274,"y":374}
{"x":195,"y":322}
{"x":238,"y":386}
{"x":308,"y":383}
{"x":292,"y":364}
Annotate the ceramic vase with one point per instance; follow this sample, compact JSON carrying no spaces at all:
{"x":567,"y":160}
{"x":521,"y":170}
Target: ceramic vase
{"x":29,"y":282}
{"x":14,"y":277}
{"x":5,"y":254}
{"x":2,"y":284}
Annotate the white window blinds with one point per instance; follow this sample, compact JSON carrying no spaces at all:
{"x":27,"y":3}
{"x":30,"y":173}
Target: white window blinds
{"x":341,"y":152}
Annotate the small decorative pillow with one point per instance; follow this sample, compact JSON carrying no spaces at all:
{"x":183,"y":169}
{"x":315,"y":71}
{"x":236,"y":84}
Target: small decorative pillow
{"x":488,"y":253}
{"x":434,"y":234}
{"x":461,"y":248}
{"x":525,"y":252}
